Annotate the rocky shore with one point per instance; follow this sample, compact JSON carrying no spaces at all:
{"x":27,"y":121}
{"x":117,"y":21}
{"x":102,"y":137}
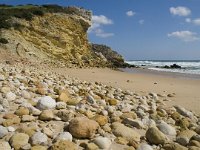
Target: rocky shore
{"x":41,"y":109}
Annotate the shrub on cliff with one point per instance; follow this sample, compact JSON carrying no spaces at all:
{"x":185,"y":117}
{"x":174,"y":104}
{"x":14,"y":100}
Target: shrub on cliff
{"x":3,"y":41}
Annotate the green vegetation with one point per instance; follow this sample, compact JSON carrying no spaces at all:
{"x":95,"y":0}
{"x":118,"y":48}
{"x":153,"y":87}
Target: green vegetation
{"x":3,"y":41}
{"x":27,"y":12}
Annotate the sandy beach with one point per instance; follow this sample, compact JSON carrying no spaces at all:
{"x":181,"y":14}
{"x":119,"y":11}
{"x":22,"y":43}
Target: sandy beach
{"x":186,"y":88}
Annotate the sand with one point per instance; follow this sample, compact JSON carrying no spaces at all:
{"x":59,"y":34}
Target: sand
{"x":186,"y":88}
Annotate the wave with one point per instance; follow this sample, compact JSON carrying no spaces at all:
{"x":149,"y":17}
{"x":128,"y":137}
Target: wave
{"x":191,"y":67}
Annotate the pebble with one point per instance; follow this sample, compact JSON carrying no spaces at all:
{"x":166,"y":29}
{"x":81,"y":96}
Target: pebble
{"x":64,"y":136}
{"x":39,"y":139}
{"x":46,"y":103}
{"x":144,"y":146}
{"x":3,"y":131}
{"x":103,"y":142}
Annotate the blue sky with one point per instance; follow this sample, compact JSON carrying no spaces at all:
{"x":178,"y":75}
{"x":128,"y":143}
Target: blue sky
{"x":141,"y":29}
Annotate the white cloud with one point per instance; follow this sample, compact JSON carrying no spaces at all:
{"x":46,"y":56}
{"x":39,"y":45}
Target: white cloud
{"x":196,"y":21}
{"x":97,"y":23}
{"x":188,"y":20}
{"x":180,"y":11}
{"x":101,"y":20}
{"x":130,"y":13}
{"x":186,"y":36}
{"x":141,"y":21}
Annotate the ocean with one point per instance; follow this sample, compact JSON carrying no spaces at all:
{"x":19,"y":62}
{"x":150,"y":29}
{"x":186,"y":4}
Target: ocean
{"x":188,"y":66}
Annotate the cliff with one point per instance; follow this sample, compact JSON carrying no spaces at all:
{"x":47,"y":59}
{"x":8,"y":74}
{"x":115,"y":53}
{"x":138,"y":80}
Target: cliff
{"x":49,"y":33}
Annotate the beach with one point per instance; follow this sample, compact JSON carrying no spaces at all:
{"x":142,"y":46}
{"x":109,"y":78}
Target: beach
{"x":185,"y":87}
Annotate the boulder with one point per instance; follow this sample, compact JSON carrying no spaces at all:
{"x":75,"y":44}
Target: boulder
{"x":19,"y":140}
{"x":64,"y":145}
{"x":184,"y":137}
{"x":39,"y":139}
{"x":46,"y":103}
{"x":4,"y":145}
{"x":3,"y":131}
{"x":82,"y":127}
{"x":155,"y":136}
{"x":121,"y":130}
{"x":103,"y":142}
{"x":144,"y":146}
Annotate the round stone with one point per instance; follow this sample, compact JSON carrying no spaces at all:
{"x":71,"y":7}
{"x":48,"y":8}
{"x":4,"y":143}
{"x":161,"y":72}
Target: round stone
{"x":46,"y":103}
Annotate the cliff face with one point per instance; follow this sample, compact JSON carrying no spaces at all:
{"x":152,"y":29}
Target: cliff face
{"x":52,"y":36}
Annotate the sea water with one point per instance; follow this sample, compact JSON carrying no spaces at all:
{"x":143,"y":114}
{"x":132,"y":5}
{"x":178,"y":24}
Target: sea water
{"x":188,"y":66}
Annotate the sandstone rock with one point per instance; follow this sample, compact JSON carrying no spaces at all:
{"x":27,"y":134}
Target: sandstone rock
{"x":41,"y":91}
{"x":112,"y":101}
{"x":144,"y":146}
{"x":37,"y":147}
{"x":10,"y":122}
{"x":184,"y":112}
{"x":121,"y":140}
{"x":4,"y":145}
{"x":194,"y":143}
{"x":25,"y":94}
{"x":166,"y":129}
{"x":46,"y":115}
{"x":39,"y":139}
{"x":92,"y":146}
{"x":134,"y":123}
{"x":82,"y":127}
{"x":130,"y":115}
{"x":19,"y":140}
{"x":184,"y":137}
{"x":61,"y":105}
{"x":64,"y":96}
{"x":154,"y":136}
{"x":193,"y":148}
{"x":174,"y":146}
{"x":3,"y":131}
{"x":46,"y":103}
{"x":22,"y":111}
{"x":64,"y":136}
{"x":28,"y":118}
{"x":103,"y":142}
{"x":119,"y":129}
{"x":102,"y":120}
{"x":10,"y":96}
{"x":64,"y":145}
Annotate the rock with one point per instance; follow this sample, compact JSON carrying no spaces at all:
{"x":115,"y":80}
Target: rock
{"x":61,"y":105}
{"x":64,"y":136}
{"x":34,"y":111}
{"x":4,"y":145}
{"x":46,"y":103}
{"x":10,"y":122}
{"x":166,"y":129}
{"x":19,"y":140}
{"x":121,"y":140}
{"x":131,"y":115}
{"x":134,"y":123}
{"x":11,"y":129}
{"x":82,"y":127}
{"x":103,"y":142}
{"x":10,"y":96}
{"x":154,"y":136}
{"x":184,"y":137}
{"x":92,"y":146}
{"x":121,"y":130}
{"x":102,"y":120}
{"x":64,"y":145}
{"x":144,"y":146}
{"x":3,"y":131}
{"x":194,"y":148}
{"x":64,"y":96}
{"x":27,"y":118}
{"x":39,"y":139}
{"x":2,"y":77}
{"x":90,"y":99}
{"x":184,"y":112}
{"x":38,"y":147}
{"x":22,"y":111}
{"x":26,"y":94}
{"x":194,"y":143}
{"x":41,"y":91}
{"x":112,"y":101}
{"x":174,"y":146}
{"x":46,"y":115}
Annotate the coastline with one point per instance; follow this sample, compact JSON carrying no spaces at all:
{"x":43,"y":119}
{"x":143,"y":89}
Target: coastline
{"x":186,"y":88}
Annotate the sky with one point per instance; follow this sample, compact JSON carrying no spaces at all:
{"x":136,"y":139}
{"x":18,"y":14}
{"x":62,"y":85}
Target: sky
{"x":141,"y":29}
